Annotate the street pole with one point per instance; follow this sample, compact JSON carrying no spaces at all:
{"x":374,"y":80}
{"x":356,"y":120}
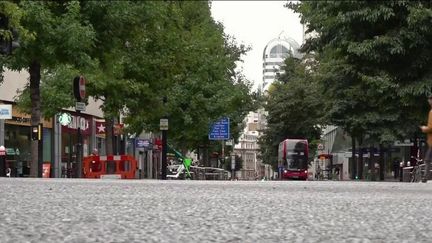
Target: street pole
{"x":223,"y":153}
{"x":164,"y":154}
{"x":80,"y":94}
{"x":164,"y":127}
{"x":40,"y":150}
{"x":79,"y":146}
{"x":233,"y":164}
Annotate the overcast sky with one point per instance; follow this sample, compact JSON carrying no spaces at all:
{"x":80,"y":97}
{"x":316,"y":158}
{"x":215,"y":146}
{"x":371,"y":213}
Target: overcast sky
{"x":255,"y":23}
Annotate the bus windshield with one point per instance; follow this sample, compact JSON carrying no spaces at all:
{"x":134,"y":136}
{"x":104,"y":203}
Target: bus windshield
{"x":296,"y":155}
{"x":296,"y":161}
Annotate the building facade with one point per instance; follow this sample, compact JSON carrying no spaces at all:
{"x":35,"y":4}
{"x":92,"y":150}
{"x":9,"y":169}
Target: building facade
{"x":59,"y":140}
{"x":248,"y":149}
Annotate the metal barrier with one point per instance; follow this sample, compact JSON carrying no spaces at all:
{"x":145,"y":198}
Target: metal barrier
{"x":123,"y":166}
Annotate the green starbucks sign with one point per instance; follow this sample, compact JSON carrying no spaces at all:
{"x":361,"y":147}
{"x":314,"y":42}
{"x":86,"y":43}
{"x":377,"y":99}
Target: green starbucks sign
{"x":65,"y":119}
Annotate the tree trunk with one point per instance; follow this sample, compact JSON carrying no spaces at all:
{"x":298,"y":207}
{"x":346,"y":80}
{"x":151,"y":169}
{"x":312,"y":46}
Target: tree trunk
{"x":35,"y":70}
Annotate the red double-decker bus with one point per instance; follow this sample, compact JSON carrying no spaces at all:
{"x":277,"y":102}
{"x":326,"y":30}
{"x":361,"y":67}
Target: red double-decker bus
{"x":293,"y":157}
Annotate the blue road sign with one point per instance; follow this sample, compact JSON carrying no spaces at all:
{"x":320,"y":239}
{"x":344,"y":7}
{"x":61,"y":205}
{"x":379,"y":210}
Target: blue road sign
{"x":143,"y":143}
{"x":220,"y":130}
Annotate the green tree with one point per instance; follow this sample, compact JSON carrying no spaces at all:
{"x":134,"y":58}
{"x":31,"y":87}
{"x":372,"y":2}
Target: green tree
{"x":295,"y":109}
{"x":144,"y":51}
{"x":197,"y":76}
{"x":375,"y":62}
{"x":56,"y":35}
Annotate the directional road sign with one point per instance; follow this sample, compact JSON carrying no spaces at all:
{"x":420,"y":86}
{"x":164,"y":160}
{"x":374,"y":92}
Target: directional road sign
{"x":220,"y":129}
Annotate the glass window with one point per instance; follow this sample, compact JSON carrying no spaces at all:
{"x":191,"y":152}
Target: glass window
{"x":296,"y":162}
{"x":279,"y":51}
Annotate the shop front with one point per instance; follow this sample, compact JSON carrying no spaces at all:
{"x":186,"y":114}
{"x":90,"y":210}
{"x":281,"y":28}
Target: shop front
{"x":69,"y":142}
{"x":17,"y":140}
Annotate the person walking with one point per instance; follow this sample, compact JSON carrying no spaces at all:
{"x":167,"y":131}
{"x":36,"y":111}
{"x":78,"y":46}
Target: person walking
{"x":396,"y":166}
{"x":428,"y":130}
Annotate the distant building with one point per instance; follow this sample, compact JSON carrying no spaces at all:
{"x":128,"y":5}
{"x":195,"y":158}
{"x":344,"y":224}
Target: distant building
{"x":275,"y":52}
{"x":248,"y":149}
{"x":274,"y":55}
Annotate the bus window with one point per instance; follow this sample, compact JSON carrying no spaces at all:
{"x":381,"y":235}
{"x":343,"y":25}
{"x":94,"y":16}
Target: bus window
{"x":125,"y":165}
{"x":297,"y":162}
{"x":110,"y":167}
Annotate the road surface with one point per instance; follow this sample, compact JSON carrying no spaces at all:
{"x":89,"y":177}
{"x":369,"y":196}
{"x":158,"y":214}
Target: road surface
{"x":80,"y":210}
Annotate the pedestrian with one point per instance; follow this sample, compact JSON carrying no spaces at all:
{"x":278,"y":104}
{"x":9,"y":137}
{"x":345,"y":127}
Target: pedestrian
{"x":428,"y":130}
{"x":337,"y":173}
{"x":402,"y":164}
{"x":396,"y":166}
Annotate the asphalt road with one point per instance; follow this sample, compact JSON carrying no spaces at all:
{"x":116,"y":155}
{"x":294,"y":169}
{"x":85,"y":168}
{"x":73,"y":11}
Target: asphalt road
{"x":75,"y":210}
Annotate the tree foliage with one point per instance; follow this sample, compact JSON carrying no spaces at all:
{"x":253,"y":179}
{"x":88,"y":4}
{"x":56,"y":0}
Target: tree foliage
{"x":295,"y":109}
{"x":136,"y":53}
{"x":375,"y":62}
{"x":51,"y":34}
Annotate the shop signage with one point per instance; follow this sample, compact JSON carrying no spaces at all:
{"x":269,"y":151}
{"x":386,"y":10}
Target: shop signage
{"x":10,"y":151}
{"x":81,"y":123}
{"x":5,"y":111}
{"x":100,"y":127}
{"x":65,"y":119}
{"x":406,"y":143}
{"x":77,"y":121}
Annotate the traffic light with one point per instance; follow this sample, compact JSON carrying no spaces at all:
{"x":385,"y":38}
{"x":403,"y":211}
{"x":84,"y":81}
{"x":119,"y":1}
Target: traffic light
{"x":36,"y":132}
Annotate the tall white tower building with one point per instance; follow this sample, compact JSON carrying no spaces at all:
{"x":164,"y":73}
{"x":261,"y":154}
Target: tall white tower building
{"x":274,"y":54}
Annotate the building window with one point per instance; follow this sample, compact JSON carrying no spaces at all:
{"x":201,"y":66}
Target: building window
{"x":279,"y":51}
